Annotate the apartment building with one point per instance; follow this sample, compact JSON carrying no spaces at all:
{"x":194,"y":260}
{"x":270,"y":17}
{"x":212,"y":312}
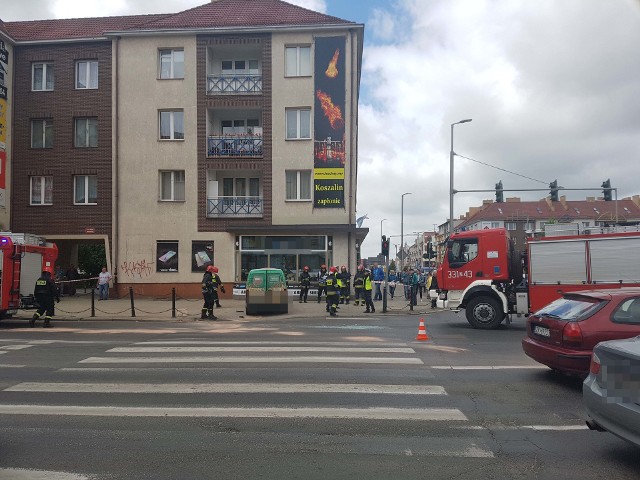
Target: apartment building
{"x":224,"y":134}
{"x":6,"y":101}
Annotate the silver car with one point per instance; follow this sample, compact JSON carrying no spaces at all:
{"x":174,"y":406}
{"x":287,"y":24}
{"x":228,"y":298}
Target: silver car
{"x":611,"y":392}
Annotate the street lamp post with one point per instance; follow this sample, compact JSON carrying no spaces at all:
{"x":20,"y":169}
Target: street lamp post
{"x":451,"y":155}
{"x":402,"y":230}
{"x":386,"y":269}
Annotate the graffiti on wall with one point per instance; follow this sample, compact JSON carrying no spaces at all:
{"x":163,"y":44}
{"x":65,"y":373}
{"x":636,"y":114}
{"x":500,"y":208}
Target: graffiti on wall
{"x":137,"y":268}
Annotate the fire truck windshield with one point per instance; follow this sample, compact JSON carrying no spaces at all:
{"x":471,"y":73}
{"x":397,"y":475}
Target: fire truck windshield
{"x":462,"y":251}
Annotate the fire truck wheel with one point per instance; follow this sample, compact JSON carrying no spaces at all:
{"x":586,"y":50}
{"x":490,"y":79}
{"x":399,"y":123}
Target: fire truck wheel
{"x":484,"y":312}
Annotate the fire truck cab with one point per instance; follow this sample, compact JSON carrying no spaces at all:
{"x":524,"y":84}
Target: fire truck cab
{"x":23,"y":257}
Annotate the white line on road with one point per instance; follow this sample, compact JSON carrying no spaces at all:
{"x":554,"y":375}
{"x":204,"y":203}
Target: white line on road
{"x":11,"y":366}
{"x":227,"y":388}
{"x":489,"y":367}
{"x":352,"y":360}
{"x":27,"y":474}
{"x":374,"y":413}
{"x":260,"y":349}
{"x":240,"y":342}
{"x":539,"y":428}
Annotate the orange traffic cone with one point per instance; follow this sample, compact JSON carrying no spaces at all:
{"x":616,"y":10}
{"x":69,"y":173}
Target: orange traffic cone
{"x":422,"y":331}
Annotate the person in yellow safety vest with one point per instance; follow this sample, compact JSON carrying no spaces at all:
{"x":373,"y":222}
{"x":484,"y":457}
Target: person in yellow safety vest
{"x":345,"y":285}
{"x":332,"y":292}
{"x":358,"y":285}
{"x":368,"y":287}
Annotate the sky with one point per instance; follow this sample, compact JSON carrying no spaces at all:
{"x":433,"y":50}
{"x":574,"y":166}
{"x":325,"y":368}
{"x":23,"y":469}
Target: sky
{"x":552,"y":88}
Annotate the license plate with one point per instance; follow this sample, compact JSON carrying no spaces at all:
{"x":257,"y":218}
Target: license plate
{"x":542,"y":331}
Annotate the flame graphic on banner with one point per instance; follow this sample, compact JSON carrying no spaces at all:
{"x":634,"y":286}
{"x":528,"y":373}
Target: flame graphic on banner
{"x":332,"y":70}
{"x":331,"y":111}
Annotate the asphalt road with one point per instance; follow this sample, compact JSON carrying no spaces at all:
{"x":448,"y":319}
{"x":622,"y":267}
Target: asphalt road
{"x":348,"y":397}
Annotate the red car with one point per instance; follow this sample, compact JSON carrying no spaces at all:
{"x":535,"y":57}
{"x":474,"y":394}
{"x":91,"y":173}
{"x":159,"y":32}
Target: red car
{"x":563,"y":334}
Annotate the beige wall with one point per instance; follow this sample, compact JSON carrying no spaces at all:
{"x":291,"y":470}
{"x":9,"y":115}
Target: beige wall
{"x":5,"y":211}
{"x":298,"y":154}
{"x":142,"y":218}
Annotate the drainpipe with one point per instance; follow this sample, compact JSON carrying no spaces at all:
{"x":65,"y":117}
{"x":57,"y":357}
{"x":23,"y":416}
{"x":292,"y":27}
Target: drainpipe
{"x":115,"y":141}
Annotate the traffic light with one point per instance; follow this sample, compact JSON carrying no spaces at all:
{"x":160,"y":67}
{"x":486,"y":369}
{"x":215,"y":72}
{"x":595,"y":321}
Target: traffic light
{"x":606,"y":185}
{"x":499,"y":193}
{"x":385,"y":246}
{"x":431,"y":253}
{"x":554,"y":190}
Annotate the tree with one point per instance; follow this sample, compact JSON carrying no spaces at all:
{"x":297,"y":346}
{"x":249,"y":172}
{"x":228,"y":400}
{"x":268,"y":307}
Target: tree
{"x":392,"y":265}
{"x":91,"y":259}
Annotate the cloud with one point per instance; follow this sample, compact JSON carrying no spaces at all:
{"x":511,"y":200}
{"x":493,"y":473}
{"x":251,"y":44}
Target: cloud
{"x":551,"y":86}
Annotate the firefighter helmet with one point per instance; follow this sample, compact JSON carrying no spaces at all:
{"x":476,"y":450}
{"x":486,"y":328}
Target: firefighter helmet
{"x":333,"y":269}
{"x":48,"y":269}
{"x":306,"y":269}
{"x":215,"y":269}
{"x":211,"y":269}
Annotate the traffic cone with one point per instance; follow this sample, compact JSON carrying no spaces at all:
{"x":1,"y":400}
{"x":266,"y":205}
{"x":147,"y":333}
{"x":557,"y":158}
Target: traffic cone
{"x":422,"y":331}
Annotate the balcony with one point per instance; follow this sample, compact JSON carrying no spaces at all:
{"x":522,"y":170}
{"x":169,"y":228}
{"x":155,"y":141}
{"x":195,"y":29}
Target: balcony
{"x":240,"y":146}
{"x":234,"y":84}
{"x":235,"y":207}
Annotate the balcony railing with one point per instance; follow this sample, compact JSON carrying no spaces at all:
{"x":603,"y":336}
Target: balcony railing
{"x":234,"y":84}
{"x":243,"y":207}
{"x":242,"y":146}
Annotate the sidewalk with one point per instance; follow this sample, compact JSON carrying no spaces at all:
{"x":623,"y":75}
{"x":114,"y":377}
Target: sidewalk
{"x":78,"y":307}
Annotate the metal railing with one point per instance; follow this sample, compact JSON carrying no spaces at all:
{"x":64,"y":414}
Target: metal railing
{"x":226,"y":146}
{"x":244,"y":207}
{"x":234,"y":84}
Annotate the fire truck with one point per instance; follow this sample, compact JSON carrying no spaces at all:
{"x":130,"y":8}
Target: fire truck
{"x":23,"y":258}
{"x":483,"y":274}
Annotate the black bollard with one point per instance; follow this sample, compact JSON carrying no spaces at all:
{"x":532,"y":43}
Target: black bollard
{"x":133,"y":308}
{"x":173,"y":302}
{"x":93,"y":302}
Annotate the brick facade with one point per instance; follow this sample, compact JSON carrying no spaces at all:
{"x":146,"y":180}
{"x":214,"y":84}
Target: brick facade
{"x":63,"y":160}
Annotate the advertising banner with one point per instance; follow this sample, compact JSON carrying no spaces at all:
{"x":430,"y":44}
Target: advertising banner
{"x":4,"y":120}
{"x":329,"y":122}
{"x":201,"y":255}
{"x":167,"y":256}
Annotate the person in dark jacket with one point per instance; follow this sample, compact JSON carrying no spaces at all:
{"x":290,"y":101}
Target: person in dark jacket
{"x":45,"y":292}
{"x":210,"y":284}
{"x":358,"y":286}
{"x":322,"y":282}
{"x":332,"y":292}
{"x":305,"y":283}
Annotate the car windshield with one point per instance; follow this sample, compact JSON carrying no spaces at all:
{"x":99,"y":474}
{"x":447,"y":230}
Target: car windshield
{"x":570,"y":308}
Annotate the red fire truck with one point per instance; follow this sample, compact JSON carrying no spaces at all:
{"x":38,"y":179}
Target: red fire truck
{"x":483,"y":274}
{"x":23,"y":257}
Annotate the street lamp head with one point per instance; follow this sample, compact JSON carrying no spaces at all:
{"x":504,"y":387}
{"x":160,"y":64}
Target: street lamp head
{"x":465,"y":120}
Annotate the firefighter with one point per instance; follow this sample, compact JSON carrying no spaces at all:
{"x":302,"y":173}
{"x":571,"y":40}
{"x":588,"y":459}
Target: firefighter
{"x":332,"y":292}
{"x":217,"y":283}
{"x":368,"y":287}
{"x":358,"y":285}
{"x":345,"y":285}
{"x":305,"y":283}
{"x":208,"y":292}
{"x":45,"y":292}
{"x":322,"y":279}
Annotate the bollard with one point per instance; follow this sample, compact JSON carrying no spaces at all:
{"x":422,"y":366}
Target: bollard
{"x":93,"y":302}
{"x":133,"y":308}
{"x":173,"y":302}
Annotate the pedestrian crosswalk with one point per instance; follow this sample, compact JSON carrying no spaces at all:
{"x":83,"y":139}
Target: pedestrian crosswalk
{"x":267,"y":381}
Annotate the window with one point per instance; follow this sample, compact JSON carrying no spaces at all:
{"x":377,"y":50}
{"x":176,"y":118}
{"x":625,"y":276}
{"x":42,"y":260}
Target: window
{"x":250,"y":126}
{"x":87,"y":74}
{"x":171,"y":63}
{"x":42,"y":76}
{"x":495,"y":225}
{"x":297,"y":61}
{"x":298,"y":123}
{"x":41,"y":190}
{"x":86,"y":132}
{"x":510,"y":225}
{"x":171,"y":125}
{"x":462,"y":251}
{"x":172,"y":186}
{"x":628,"y":311}
{"x":235,"y":67}
{"x":42,"y":133}
{"x":85,"y":188}
{"x":530,"y":226}
{"x":298,"y":184}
